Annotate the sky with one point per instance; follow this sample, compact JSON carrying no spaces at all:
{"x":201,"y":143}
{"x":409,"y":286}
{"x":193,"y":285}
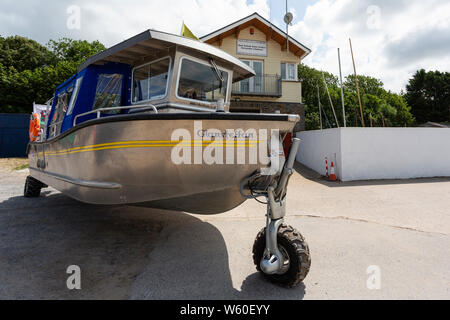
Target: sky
{"x":391,"y":38}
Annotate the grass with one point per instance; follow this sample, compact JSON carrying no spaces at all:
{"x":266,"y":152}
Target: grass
{"x":21,"y":167}
{"x":13,"y":164}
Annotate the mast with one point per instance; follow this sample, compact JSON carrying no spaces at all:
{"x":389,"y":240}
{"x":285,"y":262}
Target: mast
{"x":320,"y":107}
{"x":342,"y":88}
{"x":331,"y":101}
{"x":287,"y":31}
{"x":357,"y":85}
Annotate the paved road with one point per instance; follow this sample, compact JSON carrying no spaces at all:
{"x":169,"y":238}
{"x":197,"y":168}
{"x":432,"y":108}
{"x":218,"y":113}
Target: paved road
{"x":402,"y":227}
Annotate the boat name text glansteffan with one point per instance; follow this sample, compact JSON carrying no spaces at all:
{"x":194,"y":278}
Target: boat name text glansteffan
{"x":232,"y":146}
{"x":232,"y":134}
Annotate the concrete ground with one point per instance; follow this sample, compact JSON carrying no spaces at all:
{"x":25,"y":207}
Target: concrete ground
{"x":402,"y":227}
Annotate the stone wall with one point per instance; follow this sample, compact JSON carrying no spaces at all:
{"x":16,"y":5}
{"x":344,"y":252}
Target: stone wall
{"x":271,"y":107}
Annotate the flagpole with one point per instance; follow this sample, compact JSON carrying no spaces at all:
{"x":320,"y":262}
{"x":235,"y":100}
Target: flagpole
{"x":357,"y":85}
{"x":342,"y":89}
{"x":287,"y":31}
{"x":331,"y":101}
{"x":320,"y":108}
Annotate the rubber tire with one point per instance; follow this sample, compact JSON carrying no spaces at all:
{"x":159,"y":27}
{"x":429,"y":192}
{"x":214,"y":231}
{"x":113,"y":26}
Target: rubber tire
{"x":32,"y":187}
{"x":297,"y":249}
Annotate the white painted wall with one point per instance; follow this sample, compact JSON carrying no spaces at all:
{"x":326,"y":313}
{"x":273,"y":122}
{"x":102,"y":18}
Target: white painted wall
{"x":316,"y":145}
{"x":378,"y":153}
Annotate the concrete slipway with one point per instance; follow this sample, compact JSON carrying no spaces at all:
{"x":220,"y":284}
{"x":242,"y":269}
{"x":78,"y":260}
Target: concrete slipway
{"x":403,"y":227}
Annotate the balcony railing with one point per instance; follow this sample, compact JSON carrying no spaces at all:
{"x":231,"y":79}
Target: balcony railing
{"x":268,"y":85}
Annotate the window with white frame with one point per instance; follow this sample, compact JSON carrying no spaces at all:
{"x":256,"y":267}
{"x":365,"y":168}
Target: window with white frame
{"x":150,"y":81}
{"x":289,"y":71}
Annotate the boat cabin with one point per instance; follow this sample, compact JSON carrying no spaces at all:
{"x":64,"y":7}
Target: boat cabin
{"x":151,"y":72}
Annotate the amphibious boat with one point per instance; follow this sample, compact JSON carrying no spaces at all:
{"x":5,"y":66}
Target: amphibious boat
{"x":147,"y":122}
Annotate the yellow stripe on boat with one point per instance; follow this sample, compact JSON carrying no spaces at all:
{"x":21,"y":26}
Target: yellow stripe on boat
{"x":158,"y":142}
{"x":153,"y":144}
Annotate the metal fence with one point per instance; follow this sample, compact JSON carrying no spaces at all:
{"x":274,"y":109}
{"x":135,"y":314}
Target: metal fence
{"x":268,"y":85}
{"x":14,"y":134}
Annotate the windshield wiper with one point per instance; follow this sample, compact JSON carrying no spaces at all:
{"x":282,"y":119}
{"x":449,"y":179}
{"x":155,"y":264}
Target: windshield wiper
{"x":216,"y":71}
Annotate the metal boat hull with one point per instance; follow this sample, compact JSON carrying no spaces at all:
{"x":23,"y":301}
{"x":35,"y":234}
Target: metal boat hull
{"x":127,"y":160}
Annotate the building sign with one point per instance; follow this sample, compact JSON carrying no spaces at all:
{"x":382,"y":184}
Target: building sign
{"x":252,"y":48}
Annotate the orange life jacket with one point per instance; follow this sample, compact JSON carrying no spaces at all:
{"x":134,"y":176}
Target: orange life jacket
{"x":35,"y":126}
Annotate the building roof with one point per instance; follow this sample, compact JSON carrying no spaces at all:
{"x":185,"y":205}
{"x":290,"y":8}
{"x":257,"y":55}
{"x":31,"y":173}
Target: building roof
{"x":133,"y":50}
{"x":271,"y":31}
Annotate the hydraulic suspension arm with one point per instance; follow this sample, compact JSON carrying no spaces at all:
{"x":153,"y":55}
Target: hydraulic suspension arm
{"x":273,"y":261}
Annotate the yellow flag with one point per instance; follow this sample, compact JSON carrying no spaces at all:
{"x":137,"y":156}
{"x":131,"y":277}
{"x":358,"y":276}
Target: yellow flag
{"x":185,"y":32}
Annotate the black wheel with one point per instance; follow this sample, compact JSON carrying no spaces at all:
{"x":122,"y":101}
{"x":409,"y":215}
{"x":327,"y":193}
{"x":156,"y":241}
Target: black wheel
{"x":32,"y":187}
{"x":292,"y":244}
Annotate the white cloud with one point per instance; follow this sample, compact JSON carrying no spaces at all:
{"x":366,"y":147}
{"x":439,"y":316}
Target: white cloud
{"x":115,"y":19}
{"x":112,"y":21}
{"x":385,"y":52}
{"x":413,"y":33}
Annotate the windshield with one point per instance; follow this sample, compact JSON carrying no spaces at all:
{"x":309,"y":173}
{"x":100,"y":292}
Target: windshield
{"x":200,"y":81}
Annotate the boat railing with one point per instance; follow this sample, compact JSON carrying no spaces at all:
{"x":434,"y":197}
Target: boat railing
{"x":53,"y":127}
{"x":100,"y":110}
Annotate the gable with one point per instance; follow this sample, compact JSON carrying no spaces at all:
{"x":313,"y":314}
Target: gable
{"x":270,"y":31}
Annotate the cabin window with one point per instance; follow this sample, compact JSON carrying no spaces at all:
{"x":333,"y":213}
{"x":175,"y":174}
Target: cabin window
{"x":109,"y":92}
{"x":73,"y":99}
{"x":60,"y":110}
{"x":288,"y":71}
{"x":150,"y":80}
{"x":199,"y":81}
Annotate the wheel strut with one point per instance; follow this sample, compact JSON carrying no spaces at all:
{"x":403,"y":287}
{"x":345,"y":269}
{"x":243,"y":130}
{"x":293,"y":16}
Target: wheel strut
{"x":273,"y":260}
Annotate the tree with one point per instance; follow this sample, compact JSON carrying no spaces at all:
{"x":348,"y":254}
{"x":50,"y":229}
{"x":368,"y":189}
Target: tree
{"x":24,"y":54}
{"x":30,"y":72}
{"x":367,"y":85}
{"x":403,"y":116}
{"x":312,"y":79}
{"x":74,"y":50}
{"x":428,"y":94}
{"x":383,"y":107}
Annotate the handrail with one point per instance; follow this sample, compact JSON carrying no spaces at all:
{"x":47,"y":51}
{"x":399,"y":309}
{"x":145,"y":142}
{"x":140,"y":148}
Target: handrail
{"x":100,"y":110}
{"x":261,"y":85}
